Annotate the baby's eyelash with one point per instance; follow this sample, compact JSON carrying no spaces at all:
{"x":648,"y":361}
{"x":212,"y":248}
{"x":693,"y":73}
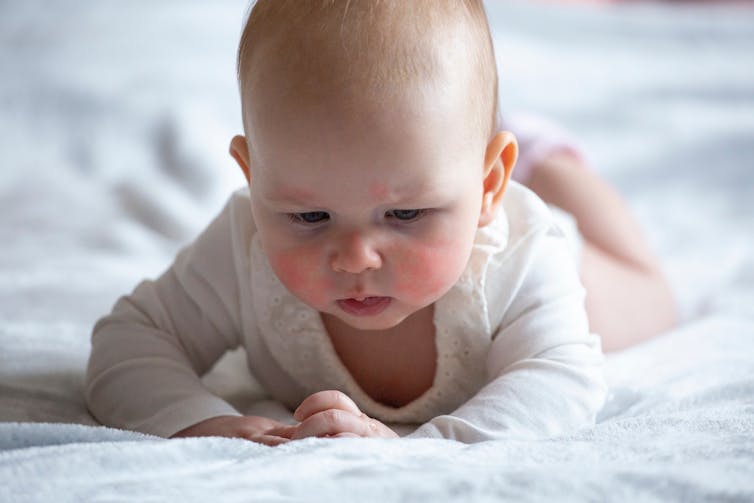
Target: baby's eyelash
{"x":406,"y":215}
{"x":312,"y":218}
{"x":309,"y":217}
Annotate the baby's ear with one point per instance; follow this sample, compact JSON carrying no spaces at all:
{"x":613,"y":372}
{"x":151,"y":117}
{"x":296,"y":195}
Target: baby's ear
{"x":499,"y":159}
{"x":239,"y":149}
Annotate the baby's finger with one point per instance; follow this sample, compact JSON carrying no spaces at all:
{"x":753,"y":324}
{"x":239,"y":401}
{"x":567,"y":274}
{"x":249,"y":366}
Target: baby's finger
{"x":345,"y":434}
{"x":325,"y":400}
{"x":333,"y":422}
{"x":270,"y":440}
{"x":282,"y":430}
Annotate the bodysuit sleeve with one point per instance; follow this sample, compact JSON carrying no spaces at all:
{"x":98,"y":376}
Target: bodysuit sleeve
{"x":544,"y":368}
{"x":148,"y":354}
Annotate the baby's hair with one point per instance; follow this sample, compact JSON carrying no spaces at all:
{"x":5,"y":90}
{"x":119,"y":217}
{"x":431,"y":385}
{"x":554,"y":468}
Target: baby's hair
{"x":380,"y":47}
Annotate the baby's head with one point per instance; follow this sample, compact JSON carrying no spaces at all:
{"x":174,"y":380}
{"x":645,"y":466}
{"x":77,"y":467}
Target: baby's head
{"x":371,"y":148}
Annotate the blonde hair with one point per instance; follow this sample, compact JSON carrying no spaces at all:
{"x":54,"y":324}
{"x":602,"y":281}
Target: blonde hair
{"x":379,"y":47}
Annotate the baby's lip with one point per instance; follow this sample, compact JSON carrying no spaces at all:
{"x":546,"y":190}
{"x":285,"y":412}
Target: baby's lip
{"x":359,"y":297}
{"x":368,"y":306}
{"x":358,"y":294}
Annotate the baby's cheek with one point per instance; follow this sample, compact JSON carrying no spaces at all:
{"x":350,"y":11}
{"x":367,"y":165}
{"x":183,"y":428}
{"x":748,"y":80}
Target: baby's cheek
{"x":426,"y":272}
{"x":299,"y":270}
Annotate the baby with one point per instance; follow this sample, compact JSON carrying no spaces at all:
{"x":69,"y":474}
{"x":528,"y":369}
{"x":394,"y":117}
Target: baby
{"x":381,"y":267}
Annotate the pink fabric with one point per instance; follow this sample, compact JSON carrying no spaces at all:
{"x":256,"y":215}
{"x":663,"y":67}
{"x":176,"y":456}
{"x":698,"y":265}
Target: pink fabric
{"x":537,"y":138}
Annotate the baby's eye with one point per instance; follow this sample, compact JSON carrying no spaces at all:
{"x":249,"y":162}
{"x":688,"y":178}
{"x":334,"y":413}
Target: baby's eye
{"x":309,"y":217}
{"x":405,"y":215}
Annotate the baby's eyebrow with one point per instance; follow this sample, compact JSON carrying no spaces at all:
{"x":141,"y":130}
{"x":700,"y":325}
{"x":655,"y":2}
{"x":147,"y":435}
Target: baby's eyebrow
{"x":288,"y":193}
{"x":379,"y":192}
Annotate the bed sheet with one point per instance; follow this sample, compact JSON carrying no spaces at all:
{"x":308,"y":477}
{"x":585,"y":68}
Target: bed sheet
{"x":114,"y":126}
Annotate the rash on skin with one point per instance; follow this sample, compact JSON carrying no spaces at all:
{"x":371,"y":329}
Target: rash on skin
{"x":299,"y":270}
{"x":423,"y":272}
{"x":379,"y":191}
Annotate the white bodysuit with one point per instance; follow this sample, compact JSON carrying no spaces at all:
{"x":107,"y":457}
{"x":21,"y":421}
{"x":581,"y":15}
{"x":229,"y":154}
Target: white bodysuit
{"x":514,"y":353}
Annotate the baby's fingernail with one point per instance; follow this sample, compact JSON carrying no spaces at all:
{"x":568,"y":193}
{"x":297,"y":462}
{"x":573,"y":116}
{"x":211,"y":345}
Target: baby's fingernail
{"x":297,"y":415}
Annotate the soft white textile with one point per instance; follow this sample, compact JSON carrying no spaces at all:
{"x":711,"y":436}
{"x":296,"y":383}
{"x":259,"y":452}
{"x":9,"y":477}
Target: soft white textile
{"x":681,"y":434}
{"x":514,"y":353}
{"x":115,"y":119}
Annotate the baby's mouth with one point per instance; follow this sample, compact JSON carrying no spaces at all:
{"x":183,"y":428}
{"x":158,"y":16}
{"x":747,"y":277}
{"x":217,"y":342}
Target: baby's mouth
{"x":366,"y":300}
{"x":364,"y":306}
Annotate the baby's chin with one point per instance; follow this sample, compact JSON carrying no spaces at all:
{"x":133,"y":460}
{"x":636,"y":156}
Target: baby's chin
{"x":372,"y":325}
{"x":368,"y":325}
{"x":389,"y":318}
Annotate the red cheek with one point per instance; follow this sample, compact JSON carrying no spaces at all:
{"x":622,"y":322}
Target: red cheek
{"x":424,"y":272}
{"x":299,"y":270}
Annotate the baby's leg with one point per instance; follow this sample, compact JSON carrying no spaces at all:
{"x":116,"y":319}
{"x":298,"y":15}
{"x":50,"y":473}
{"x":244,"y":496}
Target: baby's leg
{"x":628,"y":300}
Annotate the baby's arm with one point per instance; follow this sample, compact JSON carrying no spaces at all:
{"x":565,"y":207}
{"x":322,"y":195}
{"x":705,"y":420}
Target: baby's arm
{"x":255,"y":428}
{"x":148,"y":354}
{"x":544,"y":368}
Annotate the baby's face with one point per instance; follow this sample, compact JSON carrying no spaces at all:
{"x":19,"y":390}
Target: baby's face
{"x":366,"y":213}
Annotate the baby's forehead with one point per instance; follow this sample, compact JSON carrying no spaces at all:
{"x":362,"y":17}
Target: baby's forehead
{"x":295,"y":194}
{"x":377,"y":190}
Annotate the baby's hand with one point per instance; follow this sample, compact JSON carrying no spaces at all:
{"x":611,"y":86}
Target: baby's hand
{"x":333,"y":414}
{"x":255,"y":428}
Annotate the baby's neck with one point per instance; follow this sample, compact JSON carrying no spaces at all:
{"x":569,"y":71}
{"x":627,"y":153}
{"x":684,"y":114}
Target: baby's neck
{"x":393,"y":366}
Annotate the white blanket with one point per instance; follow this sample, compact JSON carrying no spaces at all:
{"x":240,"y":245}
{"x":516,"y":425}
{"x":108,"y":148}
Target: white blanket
{"x":114,"y":124}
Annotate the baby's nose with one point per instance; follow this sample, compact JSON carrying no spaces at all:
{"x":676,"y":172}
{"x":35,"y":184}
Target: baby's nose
{"x":355,"y":253}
